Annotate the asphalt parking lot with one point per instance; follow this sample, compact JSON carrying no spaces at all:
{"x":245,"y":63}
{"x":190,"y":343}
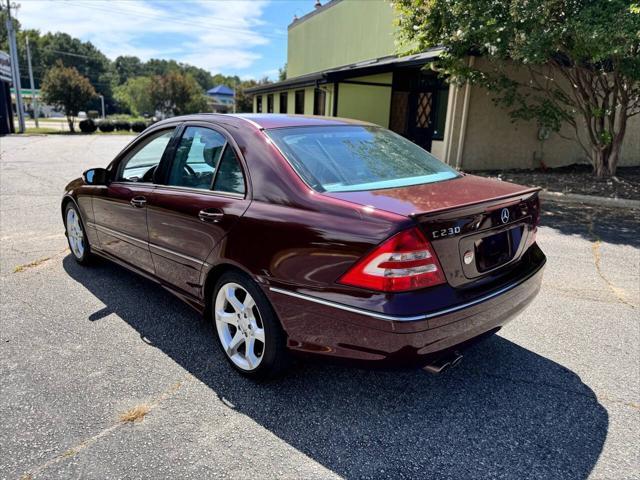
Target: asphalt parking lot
{"x":555,"y":395}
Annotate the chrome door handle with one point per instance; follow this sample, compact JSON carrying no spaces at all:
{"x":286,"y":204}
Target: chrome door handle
{"x":210,"y":216}
{"x":138,"y":202}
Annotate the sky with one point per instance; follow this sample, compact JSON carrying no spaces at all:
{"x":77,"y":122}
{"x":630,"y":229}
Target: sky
{"x":233,"y":37}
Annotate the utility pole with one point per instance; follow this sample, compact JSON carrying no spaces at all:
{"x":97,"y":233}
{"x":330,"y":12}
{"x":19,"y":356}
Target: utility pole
{"x":15,"y":70}
{"x":235,"y":90}
{"x":34,"y":99}
{"x":102,"y":103}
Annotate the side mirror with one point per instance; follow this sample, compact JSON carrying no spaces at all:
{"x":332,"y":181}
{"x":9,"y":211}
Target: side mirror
{"x":96,"y":176}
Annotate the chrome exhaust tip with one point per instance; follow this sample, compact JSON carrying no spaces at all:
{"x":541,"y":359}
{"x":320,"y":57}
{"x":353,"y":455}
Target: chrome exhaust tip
{"x":443,"y":363}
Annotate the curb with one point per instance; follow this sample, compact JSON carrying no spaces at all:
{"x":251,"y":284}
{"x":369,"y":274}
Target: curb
{"x":589,"y":200}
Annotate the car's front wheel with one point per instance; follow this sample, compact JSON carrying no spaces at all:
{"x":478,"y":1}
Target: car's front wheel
{"x":76,"y":235}
{"x":247,"y":327}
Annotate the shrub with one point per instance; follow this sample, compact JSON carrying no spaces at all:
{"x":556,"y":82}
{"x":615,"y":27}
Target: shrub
{"x":106,"y":126}
{"x":138,"y":126}
{"x":88,"y":126}
{"x":122,"y":125}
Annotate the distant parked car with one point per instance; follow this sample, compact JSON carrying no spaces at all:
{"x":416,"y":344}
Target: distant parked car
{"x":312,"y":235}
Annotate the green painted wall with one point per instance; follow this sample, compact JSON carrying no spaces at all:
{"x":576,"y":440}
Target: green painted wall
{"x":334,"y":36}
{"x":366,"y":102}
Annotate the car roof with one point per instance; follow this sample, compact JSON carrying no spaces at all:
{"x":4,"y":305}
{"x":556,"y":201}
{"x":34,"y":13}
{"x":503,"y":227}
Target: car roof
{"x":266,"y":120}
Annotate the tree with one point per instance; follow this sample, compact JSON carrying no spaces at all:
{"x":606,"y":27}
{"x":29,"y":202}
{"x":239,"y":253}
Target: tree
{"x":581,"y":59}
{"x":85,"y":57}
{"x":244,"y":102}
{"x":135,"y":95}
{"x":282,"y":72}
{"x":177,"y":94}
{"x":127,"y":67}
{"x":67,"y":89}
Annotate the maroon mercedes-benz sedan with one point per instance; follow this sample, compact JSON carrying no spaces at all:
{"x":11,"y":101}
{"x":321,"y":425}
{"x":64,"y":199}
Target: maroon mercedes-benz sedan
{"x":312,"y":235}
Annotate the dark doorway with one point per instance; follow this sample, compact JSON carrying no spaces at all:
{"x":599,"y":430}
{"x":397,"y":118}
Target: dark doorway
{"x":284,"y":100}
{"x":319,"y":100}
{"x":270,"y":103}
{"x":299,"y":102}
{"x":418,"y":106}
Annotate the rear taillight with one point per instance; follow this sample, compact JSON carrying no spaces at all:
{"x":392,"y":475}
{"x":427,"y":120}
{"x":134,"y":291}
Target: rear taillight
{"x":404,"y":262}
{"x":536,"y":211}
{"x":536,"y":221}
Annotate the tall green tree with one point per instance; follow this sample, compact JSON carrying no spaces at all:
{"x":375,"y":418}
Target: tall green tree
{"x":69,"y":91}
{"x":84,"y":57}
{"x":127,"y":67}
{"x":581,"y":60}
{"x":177,"y":94}
{"x":135,"y":95}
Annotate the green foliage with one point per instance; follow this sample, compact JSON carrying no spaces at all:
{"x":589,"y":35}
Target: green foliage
{"x":125,"y":83}
{"x":106,"y":126}
{"x":556,"y":62}
{"x":134,"y":95}
{"x":177,"y":94}
{"x":88,"y":126}
{"x":122,"y":125}
{"x":127,"y":67}
{"x":138,"y":126}
{"x":68,"y":90}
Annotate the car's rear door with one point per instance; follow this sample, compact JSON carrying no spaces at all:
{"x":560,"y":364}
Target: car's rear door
{"x":120,"y":208}
{"x":203,"y":193}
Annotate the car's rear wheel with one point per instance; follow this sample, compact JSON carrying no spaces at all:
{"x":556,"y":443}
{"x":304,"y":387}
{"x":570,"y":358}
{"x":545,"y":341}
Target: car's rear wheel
{"x":76,"y":235}
{"x":247,"y":327}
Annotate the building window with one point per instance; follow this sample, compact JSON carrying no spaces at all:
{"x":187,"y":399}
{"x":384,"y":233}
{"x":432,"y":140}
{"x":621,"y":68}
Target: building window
{"x":284,"y":99}
{"x":270,"y":103}
{"x":319,"y":100}
{"x":299,"y":102}
{"x":440,"y":113}
{"x":259,"y":104}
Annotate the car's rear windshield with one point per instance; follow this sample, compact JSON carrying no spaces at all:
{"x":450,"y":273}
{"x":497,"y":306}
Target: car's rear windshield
{"x":356,"y":157}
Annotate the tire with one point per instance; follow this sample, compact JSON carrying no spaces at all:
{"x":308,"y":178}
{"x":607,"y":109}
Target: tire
{"x":243,"y":318}
{"x":76,"y":235}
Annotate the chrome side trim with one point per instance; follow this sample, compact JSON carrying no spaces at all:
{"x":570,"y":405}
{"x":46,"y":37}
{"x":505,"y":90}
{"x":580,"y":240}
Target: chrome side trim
{"x":181,"y":255}
{"x":340,"y":306}
{"x":396,"y":318}
{"x":120,"y":235}
{"x":137,"y":241}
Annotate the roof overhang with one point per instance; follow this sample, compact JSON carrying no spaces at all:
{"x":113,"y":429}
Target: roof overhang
{"x":367,"y":67}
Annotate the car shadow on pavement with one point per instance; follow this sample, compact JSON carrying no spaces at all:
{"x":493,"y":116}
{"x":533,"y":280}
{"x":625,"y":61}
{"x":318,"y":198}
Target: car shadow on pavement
{"x":504,"y":412}
{"x":617,"y":226}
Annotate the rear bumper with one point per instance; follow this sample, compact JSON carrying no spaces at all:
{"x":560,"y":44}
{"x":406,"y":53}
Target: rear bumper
{"x":317,"y":326}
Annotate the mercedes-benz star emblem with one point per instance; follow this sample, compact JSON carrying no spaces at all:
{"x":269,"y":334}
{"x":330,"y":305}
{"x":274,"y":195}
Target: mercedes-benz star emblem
{"x":504,"y":215}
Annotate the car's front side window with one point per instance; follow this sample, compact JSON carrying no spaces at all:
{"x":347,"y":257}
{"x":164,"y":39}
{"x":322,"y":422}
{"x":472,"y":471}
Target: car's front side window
{"x":196,"y":158}
{"x":140,"y":166}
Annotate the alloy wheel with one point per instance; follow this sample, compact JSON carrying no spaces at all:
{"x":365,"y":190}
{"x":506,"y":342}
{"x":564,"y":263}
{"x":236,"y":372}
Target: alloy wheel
{"x":75,"y":233}
{"x":239,"y":325}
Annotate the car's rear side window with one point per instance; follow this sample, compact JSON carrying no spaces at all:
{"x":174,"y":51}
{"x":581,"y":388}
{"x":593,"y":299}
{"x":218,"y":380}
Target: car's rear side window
{"x":229,"y":177}
{"x":355,"y":157}
{"x":196,"y":158}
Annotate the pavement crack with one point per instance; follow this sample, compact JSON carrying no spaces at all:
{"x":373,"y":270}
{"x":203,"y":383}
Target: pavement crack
{"x":35,"y":263}
{"x":616,"y":291}
{"x":88,"y":442}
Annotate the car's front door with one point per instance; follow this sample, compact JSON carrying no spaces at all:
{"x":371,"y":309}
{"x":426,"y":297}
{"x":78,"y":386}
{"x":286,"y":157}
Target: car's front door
{"x":120,"y":211}
{"x":202,"y":195}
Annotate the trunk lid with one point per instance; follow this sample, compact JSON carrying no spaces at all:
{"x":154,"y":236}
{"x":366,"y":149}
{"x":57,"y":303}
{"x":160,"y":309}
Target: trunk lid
{"x":477,"y":226}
